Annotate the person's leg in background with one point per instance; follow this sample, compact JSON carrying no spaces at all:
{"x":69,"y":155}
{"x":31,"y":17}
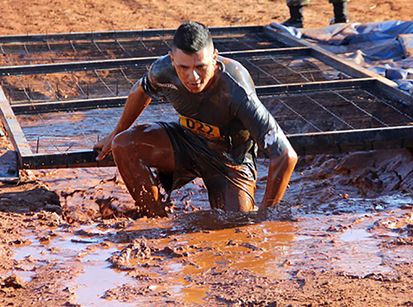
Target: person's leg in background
{"x":296,"y":8}
{"x":340,"y":8}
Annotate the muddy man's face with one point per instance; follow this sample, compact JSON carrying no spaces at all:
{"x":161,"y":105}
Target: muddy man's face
{"x":195,"y":70}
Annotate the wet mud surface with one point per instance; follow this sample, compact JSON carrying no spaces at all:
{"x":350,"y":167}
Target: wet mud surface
{"x":343,"y":235}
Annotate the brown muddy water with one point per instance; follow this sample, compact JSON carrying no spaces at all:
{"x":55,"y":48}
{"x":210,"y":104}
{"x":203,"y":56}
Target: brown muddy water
{"x":329,"y":221}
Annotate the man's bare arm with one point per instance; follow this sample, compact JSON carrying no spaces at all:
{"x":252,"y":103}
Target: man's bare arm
{"x":279,"y":174}
{"x":136,"y":102}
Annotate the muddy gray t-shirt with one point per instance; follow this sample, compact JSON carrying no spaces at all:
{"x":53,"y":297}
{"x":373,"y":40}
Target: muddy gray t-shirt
{"x":227,"y":112}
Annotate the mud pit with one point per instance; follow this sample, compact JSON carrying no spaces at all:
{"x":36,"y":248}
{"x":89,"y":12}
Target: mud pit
{"x":343,"y":235}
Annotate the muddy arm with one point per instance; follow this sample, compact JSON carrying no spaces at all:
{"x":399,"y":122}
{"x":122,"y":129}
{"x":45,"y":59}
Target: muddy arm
{"x":279,"y":173}
{"x":136,"y":102}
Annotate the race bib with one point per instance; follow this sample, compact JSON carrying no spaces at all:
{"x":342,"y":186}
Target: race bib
{"x":206,"y":130}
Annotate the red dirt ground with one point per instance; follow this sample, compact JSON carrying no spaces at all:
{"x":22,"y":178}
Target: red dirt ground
{"x":47,"y":16}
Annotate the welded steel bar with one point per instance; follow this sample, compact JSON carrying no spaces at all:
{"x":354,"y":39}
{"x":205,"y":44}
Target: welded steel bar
{"x":306,"y":143}
{"x":72,"y":45}
{"x":353,"y":140}
{"x":162,"y":38}
{"x":339,"y":119}
{"x":27,"y":94}
{"x":299,"y":115}
{"x":73,"y":66}
{"x":110,"y":102}
{"x":259,"y":69}
{"x":2,"y":49}
{"x":25,"y":49}
{"x":70,"y":159}
{"x":115,"y":63}
{"x":361,"y":109}
{"x":69,"y":105}
{"x":314,"y":86}
{"x":52,"y":89}
{"x":122,"y":48}
{"x":125,"y":76}
{"x":79,"y":87}
{"x":286,"y":66}
{"x":16,"y":134}
{"x":384,"y":90}
{"x":119,"y":34}
{"x":104,"y":83}
{"x":97,"y":47}
{"x":393,"y":107}
{"x":143,"y":44}
{"x":48,"y":46}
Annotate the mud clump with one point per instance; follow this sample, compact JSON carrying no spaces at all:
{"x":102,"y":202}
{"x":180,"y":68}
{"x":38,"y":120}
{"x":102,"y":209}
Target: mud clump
{"x":109,"y":208}
{"x":140,"y":253}
{"x":334,"y":182}
{"x":130,"y":293}
{"x":30,"y":198}
{"x":379,"y":171}
{"x":12,"y":281}
{"x":137,"y":252}
{"x":242,"y":288}
{"x":402,"y":225}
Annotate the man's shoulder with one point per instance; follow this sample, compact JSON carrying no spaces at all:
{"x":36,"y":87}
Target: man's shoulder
{"x":161,"y":68}
{"x":160,"y":75}
{"x":237,"y":73}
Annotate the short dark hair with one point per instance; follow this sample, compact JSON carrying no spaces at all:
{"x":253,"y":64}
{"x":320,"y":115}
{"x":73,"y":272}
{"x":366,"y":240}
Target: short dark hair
{"x":191,"y":37}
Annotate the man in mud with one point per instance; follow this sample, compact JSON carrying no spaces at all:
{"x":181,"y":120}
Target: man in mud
{"x":221,"y":122}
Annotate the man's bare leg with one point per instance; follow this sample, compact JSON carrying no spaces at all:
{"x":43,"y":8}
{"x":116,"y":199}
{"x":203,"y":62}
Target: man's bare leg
{"x":134,"y":151}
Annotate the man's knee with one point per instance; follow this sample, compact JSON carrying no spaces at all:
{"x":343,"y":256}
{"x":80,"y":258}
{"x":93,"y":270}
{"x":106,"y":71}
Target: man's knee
{"x":120,"y":142}
{"x":124,"y":142}
{"x":128,"y":139}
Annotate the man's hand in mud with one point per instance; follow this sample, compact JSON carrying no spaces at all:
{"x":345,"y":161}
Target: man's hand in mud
{"x":104,"y":146}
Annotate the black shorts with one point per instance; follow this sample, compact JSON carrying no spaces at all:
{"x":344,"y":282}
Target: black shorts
{"x":230,"y":186}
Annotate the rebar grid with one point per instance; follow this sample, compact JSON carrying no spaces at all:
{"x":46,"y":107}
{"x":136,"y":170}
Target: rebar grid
{"x":94,"y":49}
{"x":60,"y":132}
{"x":334,"y":110}
{"x":71,"y":85}
{"x":320,"y":111}
{"x":264,"y":69}
{"x":267,"y":70}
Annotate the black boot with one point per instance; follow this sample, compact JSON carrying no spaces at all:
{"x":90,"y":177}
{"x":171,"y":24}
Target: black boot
{"x":340,"y":13}
{"x":296,"y":17}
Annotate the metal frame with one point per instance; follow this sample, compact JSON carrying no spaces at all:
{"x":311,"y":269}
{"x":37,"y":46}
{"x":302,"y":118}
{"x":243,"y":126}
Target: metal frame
{"x":130,"y":62}
{"x":384,"y":85}
{"x":28,"y":38}
{"x":111,"y":102}
{"x":307,"y":143}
